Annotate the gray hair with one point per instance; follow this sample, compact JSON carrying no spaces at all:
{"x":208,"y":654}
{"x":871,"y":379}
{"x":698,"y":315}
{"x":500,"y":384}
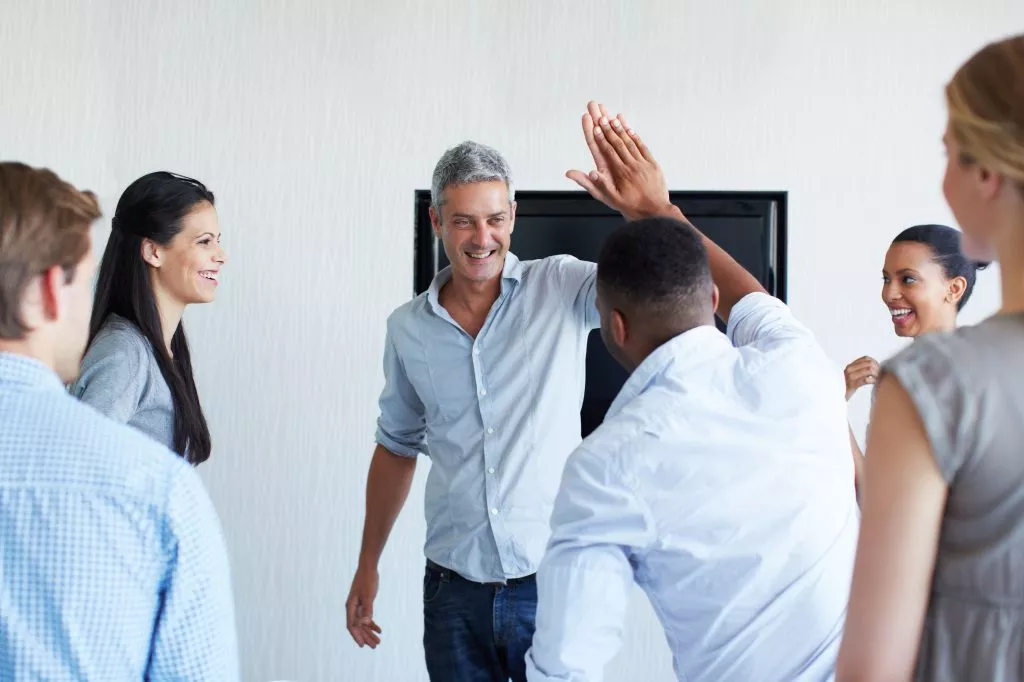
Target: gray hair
{"x":467,"y":163}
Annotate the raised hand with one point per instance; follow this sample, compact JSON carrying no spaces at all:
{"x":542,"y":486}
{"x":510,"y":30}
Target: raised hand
{"x":594,"y":113}
{"x":359,"y":608}
{"x":860,"y":372}
{"x":626,"y":177}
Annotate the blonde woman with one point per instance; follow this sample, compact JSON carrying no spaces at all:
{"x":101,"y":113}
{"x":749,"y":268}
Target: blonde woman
{"x":938,"y":587}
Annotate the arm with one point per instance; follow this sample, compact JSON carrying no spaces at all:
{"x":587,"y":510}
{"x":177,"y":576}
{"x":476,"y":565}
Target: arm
{"x":387,"y":488}
{"x":579,"y":286}
{"x":585,"y":578}
{"x":903,"y":501}
{"x":629,"y":180}
{"x":859,"y":373}
{"x":194,"y":637}
{"x":858,"y":465}
{"x":400,"y":437}
{"x":732,"y":279}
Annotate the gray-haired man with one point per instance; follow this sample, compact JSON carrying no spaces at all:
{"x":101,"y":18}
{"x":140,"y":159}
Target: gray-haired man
{"x":484,"y":373}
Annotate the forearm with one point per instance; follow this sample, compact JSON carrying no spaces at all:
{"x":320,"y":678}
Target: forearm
{"x":731,"y":278}
{"x":858,"y":464}
{"x":580,"y":612}
{"x":387,"y":488}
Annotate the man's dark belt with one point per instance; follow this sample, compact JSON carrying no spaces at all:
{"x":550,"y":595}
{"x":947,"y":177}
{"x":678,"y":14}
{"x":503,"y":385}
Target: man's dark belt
{"x":449,"y":573}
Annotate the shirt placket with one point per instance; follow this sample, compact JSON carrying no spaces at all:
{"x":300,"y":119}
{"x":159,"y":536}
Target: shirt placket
{"x":491,"y":454}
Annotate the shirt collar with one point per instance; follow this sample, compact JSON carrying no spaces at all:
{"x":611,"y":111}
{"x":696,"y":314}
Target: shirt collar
{"x":512,"y":271}
{"x":22,"y":371}
{"x":679,"y":353}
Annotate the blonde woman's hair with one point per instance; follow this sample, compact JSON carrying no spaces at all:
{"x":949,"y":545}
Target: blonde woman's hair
{"x":986,"y":108}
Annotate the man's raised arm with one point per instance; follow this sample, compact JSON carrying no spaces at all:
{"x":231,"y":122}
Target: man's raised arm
{"x":628,"y":179}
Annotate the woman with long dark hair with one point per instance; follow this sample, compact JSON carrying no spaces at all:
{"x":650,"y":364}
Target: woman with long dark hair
{"x":163,"y":254}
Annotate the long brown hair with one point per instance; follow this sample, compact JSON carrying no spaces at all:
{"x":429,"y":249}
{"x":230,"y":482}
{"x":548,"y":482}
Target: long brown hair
{"x":153,"y":208}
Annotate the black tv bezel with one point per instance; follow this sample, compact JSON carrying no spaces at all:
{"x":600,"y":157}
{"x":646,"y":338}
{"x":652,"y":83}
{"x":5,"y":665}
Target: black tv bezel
{"x":772,"y":205}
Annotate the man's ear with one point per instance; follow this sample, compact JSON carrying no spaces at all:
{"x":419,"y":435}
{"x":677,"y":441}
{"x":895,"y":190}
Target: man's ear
{"x":435,"y":222}
{"x":42,"y":301}
{"x":714,"y":298}
{"x":619,"y":328}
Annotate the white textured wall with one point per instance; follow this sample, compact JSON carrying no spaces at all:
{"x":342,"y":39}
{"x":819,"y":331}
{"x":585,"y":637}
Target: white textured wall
{"x":314,"y":121}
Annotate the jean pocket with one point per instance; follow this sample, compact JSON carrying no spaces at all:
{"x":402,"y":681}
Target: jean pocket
{"x":433,"y":581}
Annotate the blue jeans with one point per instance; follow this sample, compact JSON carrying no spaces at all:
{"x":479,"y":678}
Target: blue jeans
{"x":476,"y":632}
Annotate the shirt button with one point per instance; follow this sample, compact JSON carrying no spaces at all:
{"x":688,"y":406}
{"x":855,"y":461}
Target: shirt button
{"x":476,"y":351}
{"x":483,"y":391}
{"x":490,"y":470}
{"x":494,"y":511}
{"x":490,"y":430}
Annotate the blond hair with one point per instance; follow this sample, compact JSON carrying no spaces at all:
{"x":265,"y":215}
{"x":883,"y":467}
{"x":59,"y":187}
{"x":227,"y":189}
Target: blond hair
{"x":44,"y":222}
{"x":986,"y":108}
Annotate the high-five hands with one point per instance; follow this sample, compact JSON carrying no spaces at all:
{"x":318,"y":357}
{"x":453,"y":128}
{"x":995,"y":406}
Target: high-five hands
{"x":626,"y":177}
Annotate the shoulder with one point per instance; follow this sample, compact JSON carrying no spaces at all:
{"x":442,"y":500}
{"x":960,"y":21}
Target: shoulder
{"x":411,"y":308}
{"x":766,"y":332}
{"x":557,"y":280}
{"x":924,"y":349}
{"x":110,"y":455}
{"x":555,"y":266}
{"x":120,"y":338}
{"x":939,"y":357}
{"x":951,"y":361}
{"x":758,"y":315}
{"x":403,"y":319}
{"x":956,"y":382}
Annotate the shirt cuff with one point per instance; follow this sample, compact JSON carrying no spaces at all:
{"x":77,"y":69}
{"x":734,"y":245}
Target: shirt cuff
{"x":396,"y":447}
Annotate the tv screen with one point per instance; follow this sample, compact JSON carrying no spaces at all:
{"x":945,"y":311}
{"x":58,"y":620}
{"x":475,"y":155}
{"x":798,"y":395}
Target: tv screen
{"x":748,"y":225}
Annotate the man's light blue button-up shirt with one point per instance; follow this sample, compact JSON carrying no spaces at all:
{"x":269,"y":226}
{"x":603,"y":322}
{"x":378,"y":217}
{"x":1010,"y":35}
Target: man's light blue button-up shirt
{"x":112,"y":563}
{"x":498,"y":415}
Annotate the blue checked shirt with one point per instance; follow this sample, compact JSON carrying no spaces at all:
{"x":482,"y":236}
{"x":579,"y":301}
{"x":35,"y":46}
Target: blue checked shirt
{"x":112,"y":564}
{"x":498,"y":415}
{"x":721,"y":483}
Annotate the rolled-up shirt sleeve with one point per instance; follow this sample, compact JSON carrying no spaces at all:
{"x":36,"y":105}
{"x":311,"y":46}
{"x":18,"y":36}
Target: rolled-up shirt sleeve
{"x":586,"y":578}
{"x":401,"y":426}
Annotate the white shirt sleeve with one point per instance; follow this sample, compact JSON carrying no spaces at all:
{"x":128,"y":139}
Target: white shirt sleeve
{"x":763,"y":321}
{"x":586,"y":577}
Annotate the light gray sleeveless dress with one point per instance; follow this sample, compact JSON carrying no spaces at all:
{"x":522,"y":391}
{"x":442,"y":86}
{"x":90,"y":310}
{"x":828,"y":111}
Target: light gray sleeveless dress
{"x":968,"y":387}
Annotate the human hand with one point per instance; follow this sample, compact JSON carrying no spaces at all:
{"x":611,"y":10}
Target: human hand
{"x":626,"y":178}
{"x":359,"y":608}
{"x":860,"y":372}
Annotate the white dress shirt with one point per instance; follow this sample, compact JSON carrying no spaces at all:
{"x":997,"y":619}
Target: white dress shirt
{"x":721,"y":483}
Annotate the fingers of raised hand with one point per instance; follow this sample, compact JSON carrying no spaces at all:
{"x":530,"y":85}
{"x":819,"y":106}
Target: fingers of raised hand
{"x":588,"y":135}
{"x":615,"y":136}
